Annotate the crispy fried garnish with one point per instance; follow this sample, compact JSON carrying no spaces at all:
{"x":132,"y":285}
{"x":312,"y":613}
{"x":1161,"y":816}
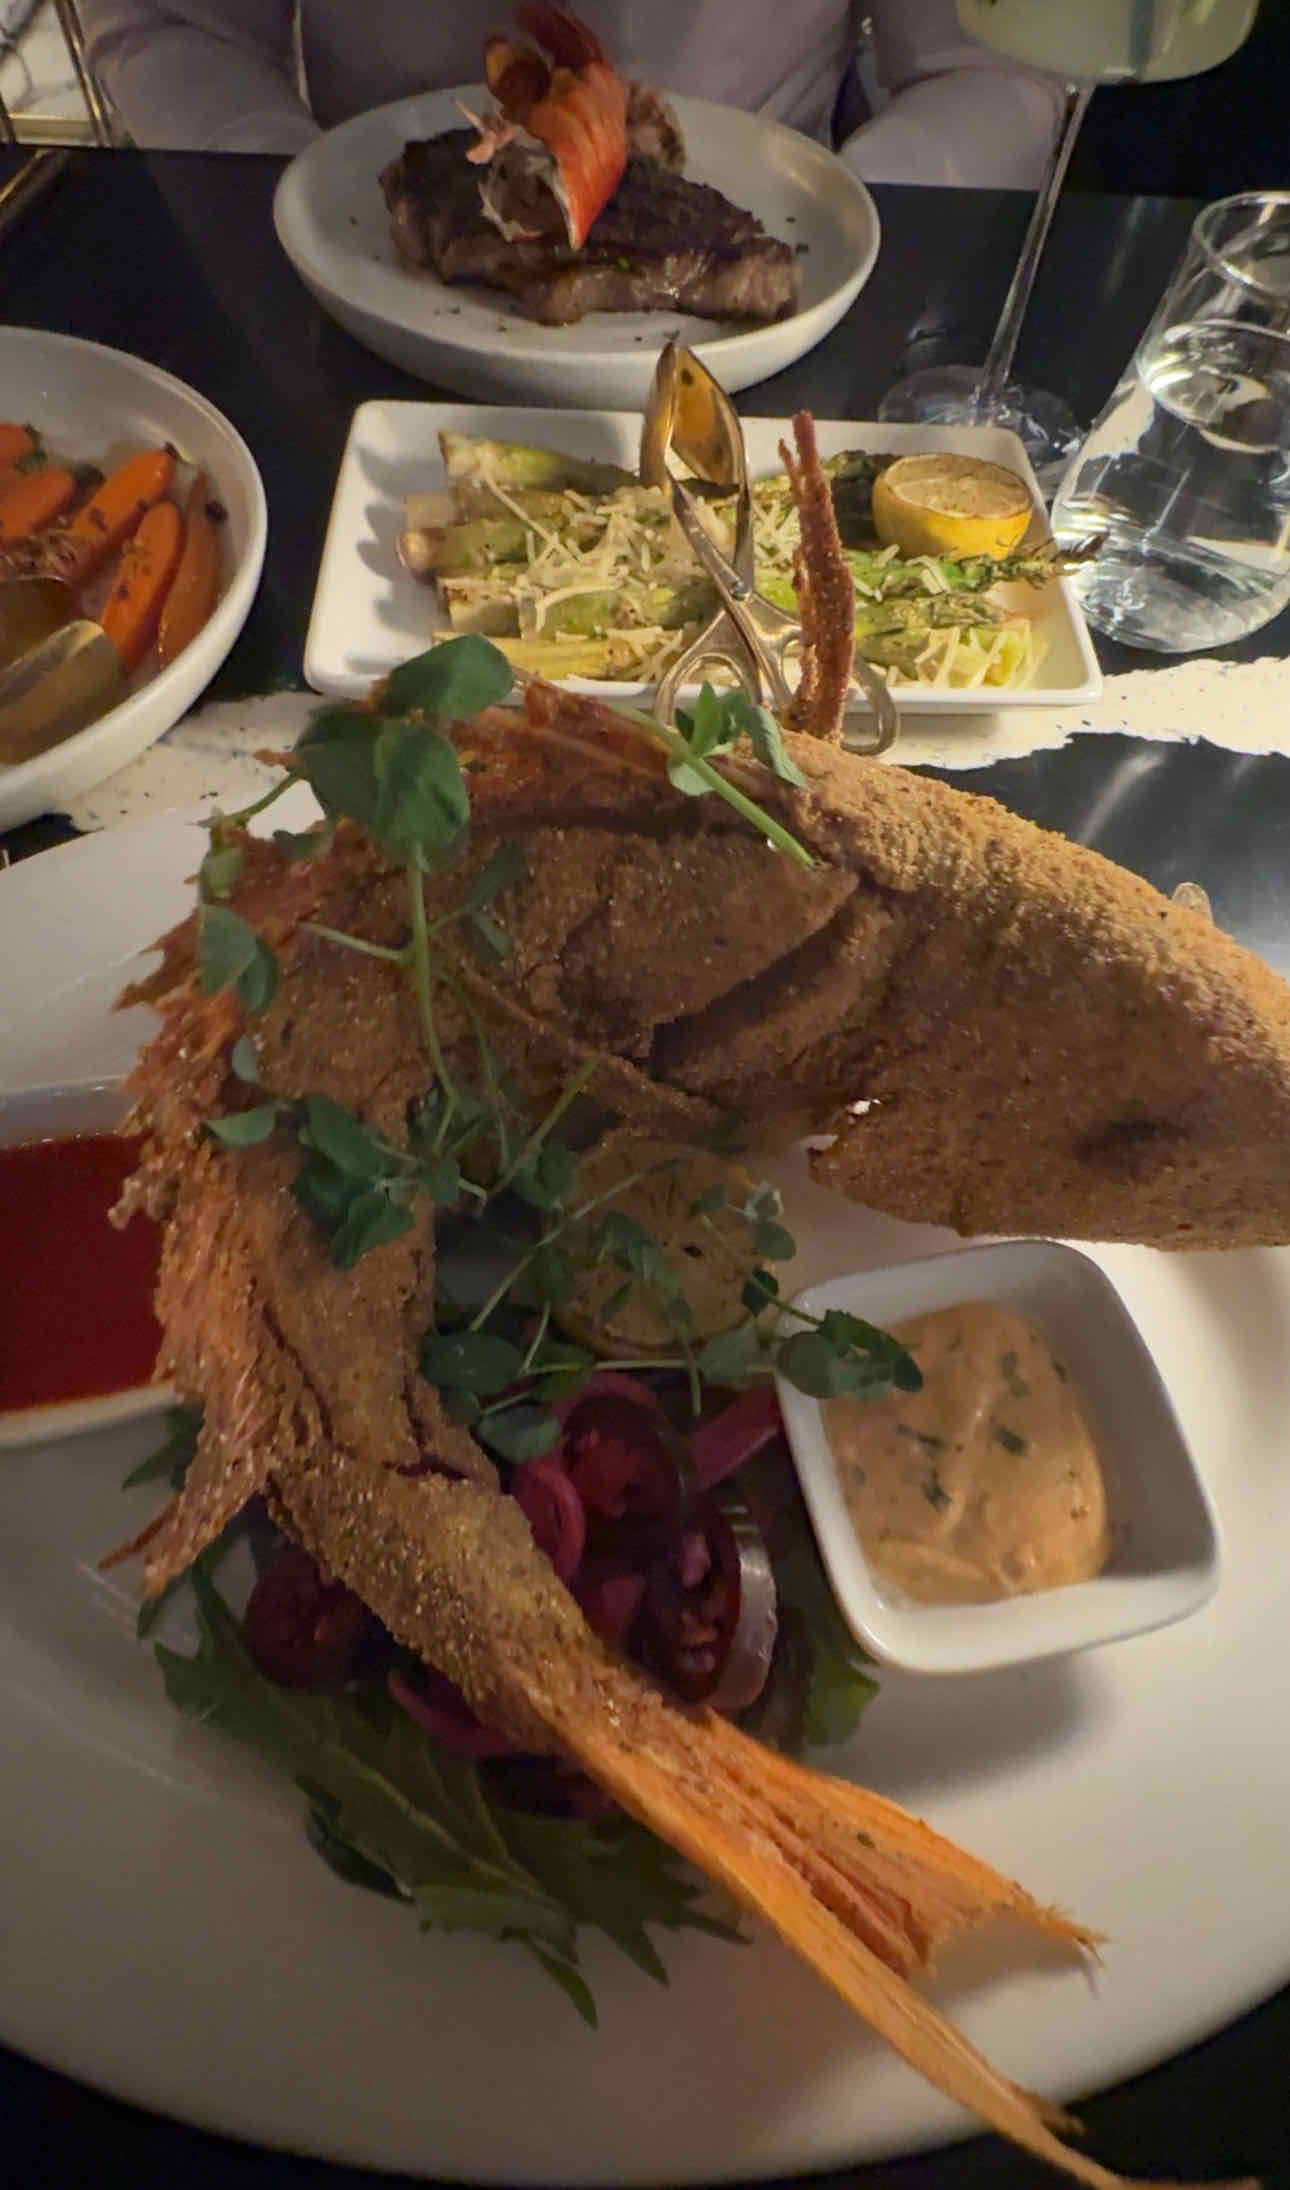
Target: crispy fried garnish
{"x":825,"y":594}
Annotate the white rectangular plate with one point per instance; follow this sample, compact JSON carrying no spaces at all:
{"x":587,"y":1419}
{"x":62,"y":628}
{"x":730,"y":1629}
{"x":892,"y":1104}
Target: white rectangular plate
{"x":369,"y":615}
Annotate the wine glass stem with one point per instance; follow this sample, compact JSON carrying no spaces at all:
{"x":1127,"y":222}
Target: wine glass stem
{"x":997,"y":370}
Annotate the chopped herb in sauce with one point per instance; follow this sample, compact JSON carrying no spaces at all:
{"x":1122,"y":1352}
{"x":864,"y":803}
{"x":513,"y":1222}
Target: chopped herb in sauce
{"x":925,"y":1438}
{"x":1012,"y":1376}
{"x":942,"y":1504}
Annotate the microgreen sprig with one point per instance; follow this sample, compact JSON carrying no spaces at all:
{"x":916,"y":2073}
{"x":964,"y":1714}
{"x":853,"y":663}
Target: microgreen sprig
{"x":715,"y":726}
{"x":387,"y":768}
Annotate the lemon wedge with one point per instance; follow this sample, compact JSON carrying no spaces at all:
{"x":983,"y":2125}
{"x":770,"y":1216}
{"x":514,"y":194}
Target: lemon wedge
{"x":949,"y":505}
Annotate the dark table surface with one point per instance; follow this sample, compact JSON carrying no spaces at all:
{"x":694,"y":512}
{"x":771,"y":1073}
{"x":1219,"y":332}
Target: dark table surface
{"x":173,"y":257}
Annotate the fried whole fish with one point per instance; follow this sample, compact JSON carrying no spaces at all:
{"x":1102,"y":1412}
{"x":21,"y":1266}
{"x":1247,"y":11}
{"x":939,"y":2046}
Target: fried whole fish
{"x":990,"y":1028}
{"x":1002,"y":1002}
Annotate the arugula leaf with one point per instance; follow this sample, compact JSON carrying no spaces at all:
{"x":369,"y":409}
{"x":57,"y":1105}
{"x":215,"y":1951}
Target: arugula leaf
{"x":231,"y":955}
{"x":570,"y":1981}
{"x":327,"y":1841}
{"x":390,"y":1812}
{"x":171,"y":1461}
{"x":619,"y":1877}
{"x":842,"y":1681}
{"x":387,"y":1797}
{"x":451,"y":680}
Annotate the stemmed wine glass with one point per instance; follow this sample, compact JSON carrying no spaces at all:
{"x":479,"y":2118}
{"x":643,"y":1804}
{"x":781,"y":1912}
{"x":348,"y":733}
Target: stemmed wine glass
{"x":1085,"y":43}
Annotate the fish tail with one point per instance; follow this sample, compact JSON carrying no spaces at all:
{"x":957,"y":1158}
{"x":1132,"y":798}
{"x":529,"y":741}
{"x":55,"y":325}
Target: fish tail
{"x":856,"y":1886}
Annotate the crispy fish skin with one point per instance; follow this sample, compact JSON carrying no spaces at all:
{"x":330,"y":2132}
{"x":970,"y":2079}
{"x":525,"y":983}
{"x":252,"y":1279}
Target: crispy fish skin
{"x":1041,"y":1039}
{"x":1001,"y":1031}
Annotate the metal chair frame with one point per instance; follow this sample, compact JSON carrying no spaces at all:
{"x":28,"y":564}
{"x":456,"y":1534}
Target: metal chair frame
{"x":104,"y":127}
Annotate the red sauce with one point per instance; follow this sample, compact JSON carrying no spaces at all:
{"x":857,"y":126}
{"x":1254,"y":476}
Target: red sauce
{"x":76,"y":1318}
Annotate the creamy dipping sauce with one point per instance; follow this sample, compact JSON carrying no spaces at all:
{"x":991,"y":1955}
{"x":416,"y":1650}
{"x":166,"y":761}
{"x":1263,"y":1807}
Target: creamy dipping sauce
{"x":986,"y":1483}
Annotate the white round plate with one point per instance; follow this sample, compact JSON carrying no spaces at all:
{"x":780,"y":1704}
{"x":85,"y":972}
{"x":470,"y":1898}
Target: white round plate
{"x":332,"y":224}
{"x":95,"y":405}
{"x":169,"y":1936}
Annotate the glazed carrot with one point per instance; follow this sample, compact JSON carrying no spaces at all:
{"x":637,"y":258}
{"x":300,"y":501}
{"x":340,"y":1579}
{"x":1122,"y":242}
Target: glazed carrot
{"x":31,"y":499}
{"x":112,"y":514}
{"x":196,"y":585}
{"x":148,"y":565}
{"x":15,"y":443}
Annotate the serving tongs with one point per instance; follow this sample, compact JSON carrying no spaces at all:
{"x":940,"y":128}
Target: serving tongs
{"x":689,"y":413}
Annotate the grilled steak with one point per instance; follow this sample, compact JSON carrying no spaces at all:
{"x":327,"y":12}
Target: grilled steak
{"x":662,"y":244}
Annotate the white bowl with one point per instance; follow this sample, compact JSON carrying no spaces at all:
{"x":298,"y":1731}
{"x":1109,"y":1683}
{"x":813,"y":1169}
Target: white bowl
{"x":95,"y":405}
{"x":51,"y":1113}
{"x":1164,"y":1560}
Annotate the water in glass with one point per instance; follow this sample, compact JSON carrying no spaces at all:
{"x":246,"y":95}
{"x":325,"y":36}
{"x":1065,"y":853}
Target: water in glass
{"x":1186,"y":479}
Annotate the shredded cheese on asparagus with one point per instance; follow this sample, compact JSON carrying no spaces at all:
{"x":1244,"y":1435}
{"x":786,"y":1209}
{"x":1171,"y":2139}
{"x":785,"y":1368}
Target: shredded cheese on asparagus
{"x":604,"y":585}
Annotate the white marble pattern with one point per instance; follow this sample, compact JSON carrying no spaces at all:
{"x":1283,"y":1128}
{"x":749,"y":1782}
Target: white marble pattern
{"x":209,"y":760}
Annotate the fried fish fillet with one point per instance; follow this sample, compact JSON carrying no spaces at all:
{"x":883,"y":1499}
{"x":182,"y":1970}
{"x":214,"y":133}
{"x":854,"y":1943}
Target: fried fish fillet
{"x":995,"y":1029}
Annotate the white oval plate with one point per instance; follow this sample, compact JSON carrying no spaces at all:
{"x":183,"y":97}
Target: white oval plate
{"x":369,"y":613}
{"x":95,"y":405}
{"x":332,"y":224}
{"x":228,"y":1978}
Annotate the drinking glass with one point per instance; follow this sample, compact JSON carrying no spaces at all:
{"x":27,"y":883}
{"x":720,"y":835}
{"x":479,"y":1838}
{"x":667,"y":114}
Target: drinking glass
{"x":1185,"y":476}
{"x":1085,"y":43}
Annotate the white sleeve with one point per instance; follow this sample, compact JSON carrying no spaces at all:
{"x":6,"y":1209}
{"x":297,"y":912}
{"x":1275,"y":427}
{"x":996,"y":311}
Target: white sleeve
{"x":957,"y":113}
{"x":204,"y":75}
